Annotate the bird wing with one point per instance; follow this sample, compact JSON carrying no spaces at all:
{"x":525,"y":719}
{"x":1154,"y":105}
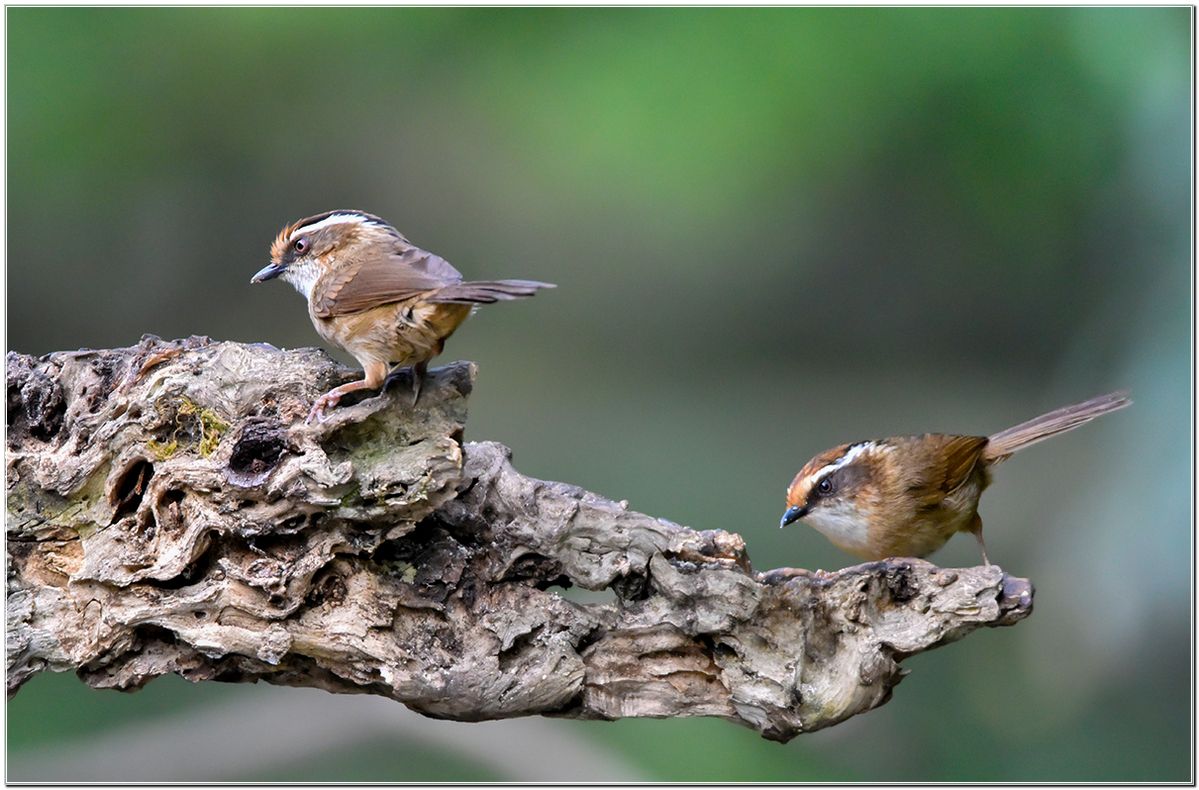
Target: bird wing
{"x":961,"y":453}
{"x":382,"y":277}
{"x":952,"y":460}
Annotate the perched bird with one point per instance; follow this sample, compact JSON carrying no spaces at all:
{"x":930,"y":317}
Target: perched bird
{"x":372,"y":292}
{"x":907,"y":495}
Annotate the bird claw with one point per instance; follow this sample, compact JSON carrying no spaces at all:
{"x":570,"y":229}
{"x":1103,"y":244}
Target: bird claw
{"x":326,"y":401}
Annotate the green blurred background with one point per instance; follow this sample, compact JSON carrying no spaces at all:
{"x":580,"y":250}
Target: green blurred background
{"x":774,"y":230}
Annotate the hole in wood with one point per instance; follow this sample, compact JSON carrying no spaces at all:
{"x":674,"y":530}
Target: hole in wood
{"x":126,"y":494}
{"x":257,"y":451}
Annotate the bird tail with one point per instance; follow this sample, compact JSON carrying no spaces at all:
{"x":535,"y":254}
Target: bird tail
{"x":1067,"y":418}
{"x":487,"y":291}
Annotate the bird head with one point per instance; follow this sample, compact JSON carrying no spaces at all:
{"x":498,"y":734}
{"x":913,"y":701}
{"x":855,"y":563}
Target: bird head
{"x":306,"y":248}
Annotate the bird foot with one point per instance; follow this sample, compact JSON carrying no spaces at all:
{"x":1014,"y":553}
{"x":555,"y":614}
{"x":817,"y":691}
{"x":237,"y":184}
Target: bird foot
{"x":326,"y":401}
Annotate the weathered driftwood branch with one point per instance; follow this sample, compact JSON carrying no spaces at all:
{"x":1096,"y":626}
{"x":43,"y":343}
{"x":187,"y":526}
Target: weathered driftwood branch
{"x":169,"y":511}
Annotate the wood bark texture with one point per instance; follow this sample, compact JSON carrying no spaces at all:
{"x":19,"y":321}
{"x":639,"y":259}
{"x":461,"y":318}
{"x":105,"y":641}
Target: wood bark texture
{"x":169,"y":511}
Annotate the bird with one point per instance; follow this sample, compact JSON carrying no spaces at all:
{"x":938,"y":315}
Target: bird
{"x":377,"y":295}
{"x":906,"y":496}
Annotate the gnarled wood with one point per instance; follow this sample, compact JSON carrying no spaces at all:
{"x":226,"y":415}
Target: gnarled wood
{"x":169,"y":511}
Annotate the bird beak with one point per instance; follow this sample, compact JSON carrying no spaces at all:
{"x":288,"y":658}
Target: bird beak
{"x":268,"y":273}
{"x":793,"y":514}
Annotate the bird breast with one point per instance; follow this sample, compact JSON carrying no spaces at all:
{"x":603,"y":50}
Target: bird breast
{"x":401,"y":333}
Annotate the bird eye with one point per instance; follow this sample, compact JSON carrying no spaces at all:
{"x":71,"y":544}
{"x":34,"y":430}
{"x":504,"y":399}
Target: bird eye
{"x":825,"y":487}
{"x":301,"y":245}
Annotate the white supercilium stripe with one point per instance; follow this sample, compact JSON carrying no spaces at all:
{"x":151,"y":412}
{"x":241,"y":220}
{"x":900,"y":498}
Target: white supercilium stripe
{"x":336,"y":219}
{"x":848,"y":458}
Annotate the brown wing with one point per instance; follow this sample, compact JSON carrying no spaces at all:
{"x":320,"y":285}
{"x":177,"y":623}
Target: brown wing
{"x":961,"y":454}
{"x":950,"y":462}
{"x":381,"y":278}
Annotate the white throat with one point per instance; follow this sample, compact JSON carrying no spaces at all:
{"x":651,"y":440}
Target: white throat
{"x":302,"y":276}
{"x":841,"y":523}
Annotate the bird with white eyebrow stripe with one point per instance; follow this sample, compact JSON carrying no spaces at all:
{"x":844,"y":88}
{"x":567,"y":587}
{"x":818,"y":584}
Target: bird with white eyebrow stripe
{"x":907,"y":495}
{"x":370,"y":291}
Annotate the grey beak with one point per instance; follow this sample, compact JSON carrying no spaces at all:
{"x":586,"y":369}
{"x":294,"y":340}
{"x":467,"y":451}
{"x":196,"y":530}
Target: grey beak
{"x":269,"y":272}
{"x":792,"y":515}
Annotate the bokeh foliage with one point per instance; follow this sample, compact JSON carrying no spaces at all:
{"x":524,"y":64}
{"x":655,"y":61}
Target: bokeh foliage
{"x":774,"y":230}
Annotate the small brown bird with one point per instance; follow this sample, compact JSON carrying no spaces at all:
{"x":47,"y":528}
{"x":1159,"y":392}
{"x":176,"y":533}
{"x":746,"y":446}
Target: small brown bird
{"x":370,"y":291}
{"x":907,"y":495}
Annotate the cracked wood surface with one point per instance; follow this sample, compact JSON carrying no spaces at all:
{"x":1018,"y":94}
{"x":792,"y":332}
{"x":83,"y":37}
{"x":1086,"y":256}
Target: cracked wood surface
{"x":170,"y":512}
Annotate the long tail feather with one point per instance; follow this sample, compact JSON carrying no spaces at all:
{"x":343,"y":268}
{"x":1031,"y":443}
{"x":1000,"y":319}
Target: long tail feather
{"x":488,"y":291}
{"x":1004,"y":443}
